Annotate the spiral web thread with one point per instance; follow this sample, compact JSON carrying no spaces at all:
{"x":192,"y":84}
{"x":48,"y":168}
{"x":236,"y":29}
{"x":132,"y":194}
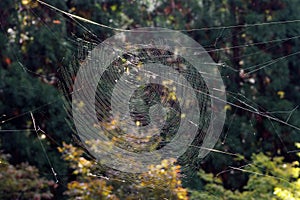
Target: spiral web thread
{"x":144,"y":102}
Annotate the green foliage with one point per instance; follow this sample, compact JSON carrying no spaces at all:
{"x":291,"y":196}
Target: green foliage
{"x":269,"y":178}
{"x":31,"y":48}
{"x":23,"y":181}
{"x":21,"y":94}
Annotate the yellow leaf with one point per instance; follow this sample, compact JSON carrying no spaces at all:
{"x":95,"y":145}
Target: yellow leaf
{"x":30,"y":3}
{"x":26,"y":2}
{"x":227,"y":107}
{"x":280,"y":94}
{"x":113,"y":7}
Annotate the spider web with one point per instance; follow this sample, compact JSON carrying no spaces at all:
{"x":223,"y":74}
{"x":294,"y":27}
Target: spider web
{"x":145,"y":97}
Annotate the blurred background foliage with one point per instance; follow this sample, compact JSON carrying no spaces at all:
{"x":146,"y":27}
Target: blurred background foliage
{"x":261,"y":70}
